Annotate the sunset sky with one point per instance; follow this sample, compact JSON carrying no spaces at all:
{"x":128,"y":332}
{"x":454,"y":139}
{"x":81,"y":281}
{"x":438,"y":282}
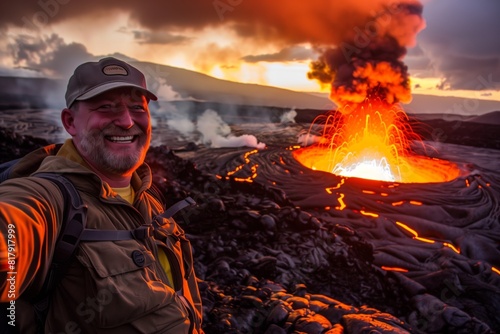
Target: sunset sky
{"x":453,"y":47}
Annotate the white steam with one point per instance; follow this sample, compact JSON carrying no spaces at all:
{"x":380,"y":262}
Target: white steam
{"x":211,"y":130}
{"x":288,"y":117}
{"x":167,"y":93}
{"x":183,"y":125}
{"x":307,"y":140}
{"x":216,"y":133}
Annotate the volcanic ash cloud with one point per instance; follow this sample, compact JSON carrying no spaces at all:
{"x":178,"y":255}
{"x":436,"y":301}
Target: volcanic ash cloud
{"x":368,"y":63}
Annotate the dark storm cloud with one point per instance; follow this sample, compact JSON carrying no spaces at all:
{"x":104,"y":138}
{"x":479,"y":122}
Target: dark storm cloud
{"x":48,"y":55}
{"x":266,"y":23}
{"x":461,"y":43}
{"x":293,"y":53}
{"x":292,"y":21}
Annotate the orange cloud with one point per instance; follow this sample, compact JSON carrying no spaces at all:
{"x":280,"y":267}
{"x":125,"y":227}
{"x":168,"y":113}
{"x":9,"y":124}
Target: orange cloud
{"x":291,"y":21}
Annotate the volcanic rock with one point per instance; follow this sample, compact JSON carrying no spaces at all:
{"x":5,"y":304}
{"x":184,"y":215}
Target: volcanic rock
{"x":267,"y":266}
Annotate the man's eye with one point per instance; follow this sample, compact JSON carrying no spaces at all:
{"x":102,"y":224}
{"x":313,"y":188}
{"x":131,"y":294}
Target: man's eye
{"x":104,"y":107}
{"x":138,"y":107}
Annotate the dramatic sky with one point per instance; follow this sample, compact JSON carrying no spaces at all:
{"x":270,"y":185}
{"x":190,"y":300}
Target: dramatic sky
{"x":452,"y":46}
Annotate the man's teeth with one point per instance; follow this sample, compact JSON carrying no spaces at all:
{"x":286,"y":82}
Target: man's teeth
{"x":121,"y":139}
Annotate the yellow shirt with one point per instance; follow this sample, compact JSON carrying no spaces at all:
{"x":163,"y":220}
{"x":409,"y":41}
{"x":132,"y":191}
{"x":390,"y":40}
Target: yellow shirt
{"x":128,"y":194}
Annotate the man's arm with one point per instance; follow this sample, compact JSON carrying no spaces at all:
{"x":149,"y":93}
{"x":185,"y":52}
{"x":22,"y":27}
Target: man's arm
{"x":30,"y":211}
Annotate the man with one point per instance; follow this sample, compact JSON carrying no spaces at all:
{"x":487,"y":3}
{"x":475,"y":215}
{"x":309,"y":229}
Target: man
{"x":136,"y":285}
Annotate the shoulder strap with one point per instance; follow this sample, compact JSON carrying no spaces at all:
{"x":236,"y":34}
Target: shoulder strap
{"x":174,"y":208}
{"x":73,"y":225}
{"x":142,"y":232}
{"x":75,"y":214}
{"x":188,"y":201}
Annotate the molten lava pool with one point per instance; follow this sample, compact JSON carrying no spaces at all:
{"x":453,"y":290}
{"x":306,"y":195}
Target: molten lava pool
{"x":373,"y":140}
{"x":410,"y":169}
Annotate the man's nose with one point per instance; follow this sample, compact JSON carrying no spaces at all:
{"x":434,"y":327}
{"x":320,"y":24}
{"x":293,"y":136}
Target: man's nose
{"x":124,"y":118}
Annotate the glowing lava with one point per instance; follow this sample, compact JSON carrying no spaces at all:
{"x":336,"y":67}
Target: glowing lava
{"x":373,"y":141}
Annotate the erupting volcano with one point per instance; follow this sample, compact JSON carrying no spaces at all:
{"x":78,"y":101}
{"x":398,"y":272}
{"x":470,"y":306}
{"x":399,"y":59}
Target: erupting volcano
{"x":373,"y":141}
{"x":370,"y":136}
{"x":378,"y":222}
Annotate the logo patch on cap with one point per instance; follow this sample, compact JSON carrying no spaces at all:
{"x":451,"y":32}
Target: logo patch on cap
{"x":114,"y":70}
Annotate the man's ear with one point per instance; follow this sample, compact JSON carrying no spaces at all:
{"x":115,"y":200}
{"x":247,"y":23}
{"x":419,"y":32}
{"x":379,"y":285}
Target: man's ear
{"x":68,"y":121}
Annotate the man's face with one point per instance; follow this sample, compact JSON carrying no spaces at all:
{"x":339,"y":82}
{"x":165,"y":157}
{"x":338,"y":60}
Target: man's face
{"x":113,"y":130}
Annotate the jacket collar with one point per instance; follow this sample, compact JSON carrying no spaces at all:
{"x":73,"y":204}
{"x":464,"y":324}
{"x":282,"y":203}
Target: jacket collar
{"x":65,"y":159}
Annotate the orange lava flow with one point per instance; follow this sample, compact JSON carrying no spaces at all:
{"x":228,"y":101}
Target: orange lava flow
{"x":248,"y":179}
{"x":372,"y":141}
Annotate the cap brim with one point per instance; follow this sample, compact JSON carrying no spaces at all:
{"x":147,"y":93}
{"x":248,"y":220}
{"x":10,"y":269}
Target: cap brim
{"x":112,"y":85}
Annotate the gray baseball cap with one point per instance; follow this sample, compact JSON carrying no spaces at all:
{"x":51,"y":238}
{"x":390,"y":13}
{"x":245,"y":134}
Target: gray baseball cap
{"x":94,"y":78}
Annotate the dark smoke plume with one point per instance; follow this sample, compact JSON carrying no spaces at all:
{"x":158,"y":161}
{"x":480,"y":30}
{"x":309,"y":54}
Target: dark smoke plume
{"x":369,"y":63}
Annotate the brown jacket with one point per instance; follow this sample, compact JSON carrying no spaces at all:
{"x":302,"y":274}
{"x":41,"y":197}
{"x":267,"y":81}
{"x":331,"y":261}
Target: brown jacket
{"x":104,"y":290}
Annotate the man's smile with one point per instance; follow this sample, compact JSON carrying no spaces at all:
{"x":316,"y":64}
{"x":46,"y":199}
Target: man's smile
{"x":121,"y":139}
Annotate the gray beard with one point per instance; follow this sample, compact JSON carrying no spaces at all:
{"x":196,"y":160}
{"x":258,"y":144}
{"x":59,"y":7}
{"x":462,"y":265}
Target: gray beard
{"x":92,"y":145}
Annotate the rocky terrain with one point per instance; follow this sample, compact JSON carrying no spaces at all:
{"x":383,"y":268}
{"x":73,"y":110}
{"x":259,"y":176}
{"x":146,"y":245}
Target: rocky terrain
{"x":266,"y":266}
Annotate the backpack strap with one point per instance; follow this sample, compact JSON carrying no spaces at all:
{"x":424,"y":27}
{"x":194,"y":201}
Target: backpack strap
{"x":75,"y":214}
{"x":171,"y":211}
{"x":73,"y":225}
{"x":140,"y":233}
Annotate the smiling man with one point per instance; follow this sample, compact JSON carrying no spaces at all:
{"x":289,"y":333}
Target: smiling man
{"x":108,"y":117}
{"x":120,"y":280}
{"x":111,"y":131}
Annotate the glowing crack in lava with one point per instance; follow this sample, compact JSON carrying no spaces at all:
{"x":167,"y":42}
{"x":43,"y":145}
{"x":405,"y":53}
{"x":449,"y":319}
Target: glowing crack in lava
{"x":373,"y":141}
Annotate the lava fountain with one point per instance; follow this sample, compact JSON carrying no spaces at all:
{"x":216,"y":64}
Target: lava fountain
{"x":374,"y":141}
{"x":369,"y":136}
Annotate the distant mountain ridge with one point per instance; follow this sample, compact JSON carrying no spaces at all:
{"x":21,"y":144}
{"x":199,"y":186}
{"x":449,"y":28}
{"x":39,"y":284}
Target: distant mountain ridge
{"x":173,"y":83}
{"x":191,"y":84}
